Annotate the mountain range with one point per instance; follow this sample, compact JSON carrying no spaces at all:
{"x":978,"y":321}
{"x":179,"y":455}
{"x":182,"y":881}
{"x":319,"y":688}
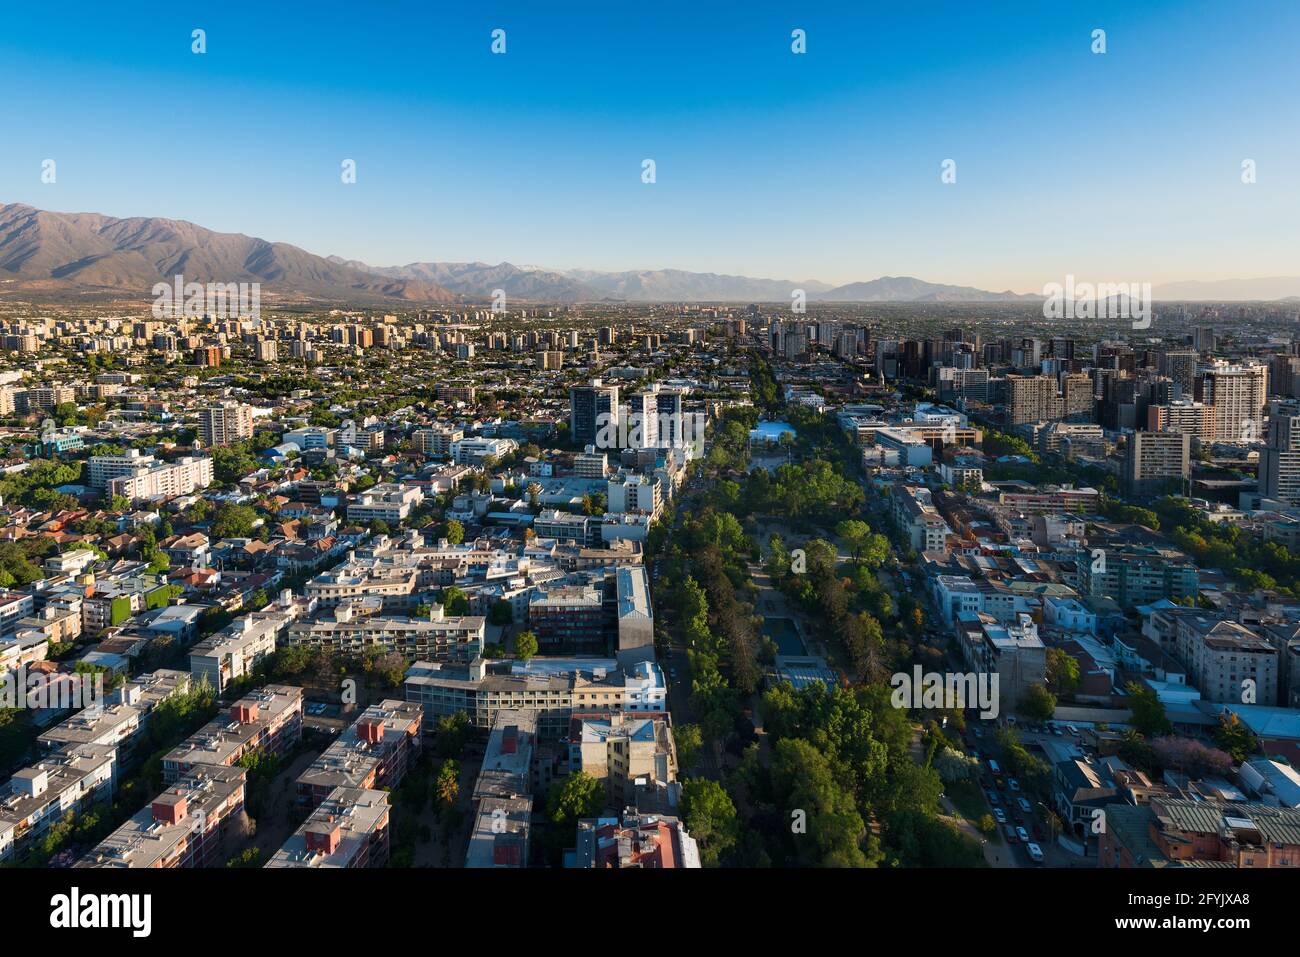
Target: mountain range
{"x":87,"y":256}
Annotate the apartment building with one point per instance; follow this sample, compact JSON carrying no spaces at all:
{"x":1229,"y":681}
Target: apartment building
{"x":182,"y":827}
{"x":635,"y":493}
{"x":569,"y":619}
{"x":225,"y":423}
{"x":235,"y":651}
{"x":58,"y":623}
{"x":502,"y":799}
{"x":593,"y":413}
{"x":435,"y":442}
{"x":1082,"y":438}
{"x":1137,"y":574}
{"x":1279,"y":461}
{"x":388,"y":503}
{"x":1014,"y":652}
{"x":61,"y":784}
{"x":1237,"y":395}
{"x":101,"y":468}
{"x":164,"y":480}
{"x":123,"y":716}
{"x":436,"y":638}
{"x":1032,"y":399}
{"x":1153,"y":459}
{"x":567,"y":527}
{"x":633,"y":754}
{"x":476,"y":450}
{"x":1228,"y":662}
{"x":113,"y":600}
{"x":1052,"y":499}
{"x":551,"y":687}
{"x":14,"y":607}
{"x":633,"y":841}
{"x":347,"y":829}
{"x":268,"y":719}
{"x":1183,"y":415}
{"x":393,"y":584}
{"x":591,"y":463}
{"x":372,"y":753}
{"x":918,"y":519}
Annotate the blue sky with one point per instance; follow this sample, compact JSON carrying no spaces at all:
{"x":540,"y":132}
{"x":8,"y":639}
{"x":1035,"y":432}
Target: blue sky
{"x":1117,"y":167}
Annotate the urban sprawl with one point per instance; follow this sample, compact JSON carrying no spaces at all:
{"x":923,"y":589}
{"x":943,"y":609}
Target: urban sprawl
{"x":679,"y":586}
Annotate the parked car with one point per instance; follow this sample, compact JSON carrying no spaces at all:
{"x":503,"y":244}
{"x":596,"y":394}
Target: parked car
{"x":1013,"y":784}
{"x":993,"y":797}
{"x":1056,"y":731}
{"x":1022,"y":834}
{"x":1010,"y":833}
{"x":1000,"y":815}
{"x":1035,"y":852}
{"x":1024,"y":805}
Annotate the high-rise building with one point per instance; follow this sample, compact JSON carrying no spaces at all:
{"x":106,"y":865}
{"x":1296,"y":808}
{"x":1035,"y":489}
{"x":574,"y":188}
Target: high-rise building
{"x":1032,"y":399}
{"x":593,"y":410}
{"x":1153,"y":458}
{"x":1237,"y":394}
{"x":1077,"y":398}
{"x":225,"y":423}
{"x":1279,"y":462}
{"x":642,"y":420}
{"x":1181,"y":367}
{"x":1182,"y":415}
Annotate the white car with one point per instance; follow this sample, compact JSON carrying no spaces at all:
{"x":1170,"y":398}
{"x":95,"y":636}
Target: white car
{"x":1000,"y":815}
{"x":1035,"y":852}
{"x":1023,"y":835}
{"x":1024,"y":805}
{"x":1013,"y":784}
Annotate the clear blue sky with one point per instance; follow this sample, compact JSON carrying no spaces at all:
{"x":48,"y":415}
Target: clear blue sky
{"x":1117,"y":167}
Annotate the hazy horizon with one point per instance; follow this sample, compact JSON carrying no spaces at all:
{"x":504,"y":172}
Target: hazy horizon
{"x":1115,"y":167}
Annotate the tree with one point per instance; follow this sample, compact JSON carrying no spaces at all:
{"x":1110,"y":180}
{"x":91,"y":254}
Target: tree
{"x":693,"y":607}
{"x":1062,"y":671}
{"x":576,"y":797}
{"x":806,"y":788}
{"x":1190,"y":756}
{"x":249,"y":857}
{"x":951,"y":765}
{"x":501,"y":613}
{"x":689,"y":740}
{"x":233,"y":521}
{"x":866,"y":546}
{"x":391,"y":669}
{"x":1038,"y":704}
{"x":778,"y":560}
{"x":710,"y":817}
{"x":1148,"y":712}
{"x":447,"y":784}
{"x":1234,"y":737}
{"x":525,"y":645}
{"x":455,"y":533}
{"x":450,"y":733}
{"x":454,"y":602}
